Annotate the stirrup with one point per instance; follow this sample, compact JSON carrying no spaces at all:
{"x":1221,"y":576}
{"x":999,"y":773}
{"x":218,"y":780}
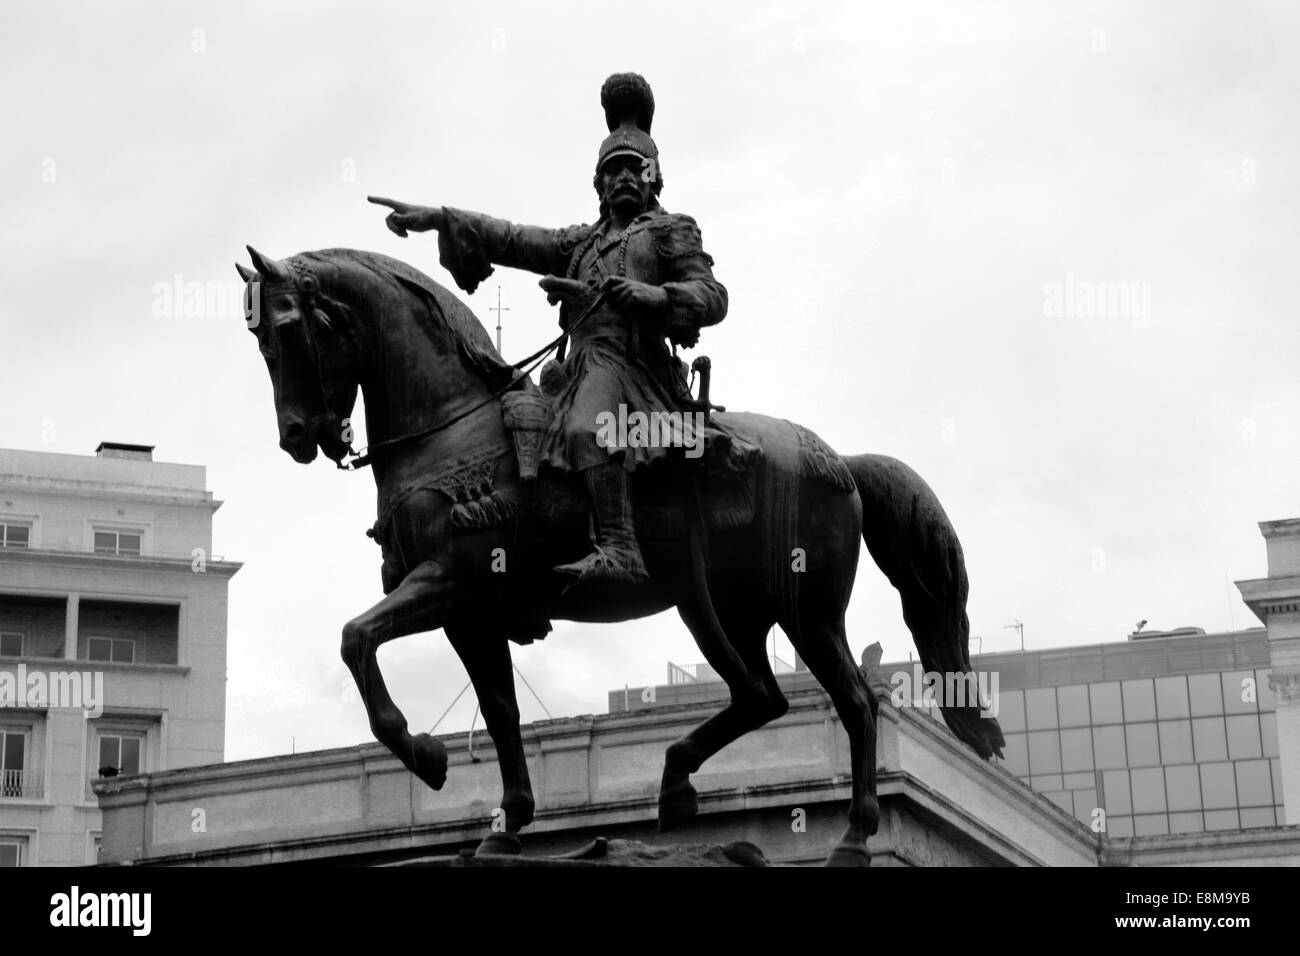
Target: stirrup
{"x":607,"y":565}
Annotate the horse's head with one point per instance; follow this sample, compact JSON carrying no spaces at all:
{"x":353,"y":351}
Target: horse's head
{"x":313,"y":364}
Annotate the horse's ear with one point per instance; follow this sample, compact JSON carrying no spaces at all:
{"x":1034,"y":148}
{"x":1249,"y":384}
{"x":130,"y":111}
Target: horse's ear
{"x":245,"y":273}
{"x":264,"y":264}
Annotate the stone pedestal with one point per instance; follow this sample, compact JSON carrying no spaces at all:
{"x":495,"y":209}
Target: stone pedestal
{"x":1276,"y":601}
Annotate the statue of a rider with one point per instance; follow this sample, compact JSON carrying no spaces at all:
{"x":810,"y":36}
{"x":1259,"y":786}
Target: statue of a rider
{"x":654,"y":282}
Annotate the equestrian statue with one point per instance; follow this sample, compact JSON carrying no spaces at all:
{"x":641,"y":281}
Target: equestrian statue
{"x":605,"y":492}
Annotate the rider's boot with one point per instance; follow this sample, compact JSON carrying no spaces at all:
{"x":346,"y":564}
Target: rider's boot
{"x":616,"y":558}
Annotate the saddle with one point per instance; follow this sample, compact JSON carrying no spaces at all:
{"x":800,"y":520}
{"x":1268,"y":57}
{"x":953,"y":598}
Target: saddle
{"x":724,"y":474}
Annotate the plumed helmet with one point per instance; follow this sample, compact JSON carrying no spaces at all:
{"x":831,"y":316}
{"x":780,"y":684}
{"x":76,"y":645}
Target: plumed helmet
{"x":629,"y":109}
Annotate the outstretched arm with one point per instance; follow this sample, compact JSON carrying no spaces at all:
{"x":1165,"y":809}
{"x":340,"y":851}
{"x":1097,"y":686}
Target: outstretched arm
{"x":468,"y":242}
{"x":408,"y":217}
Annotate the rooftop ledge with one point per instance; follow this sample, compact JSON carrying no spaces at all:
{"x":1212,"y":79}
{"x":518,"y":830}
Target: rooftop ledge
{"x":1284,"y":527}
{"x":154,"y":562}
{"x":83,"y":664}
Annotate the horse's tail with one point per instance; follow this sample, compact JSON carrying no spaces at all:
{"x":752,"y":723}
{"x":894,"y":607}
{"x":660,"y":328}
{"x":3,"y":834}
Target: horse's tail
{"x":913,"y":542}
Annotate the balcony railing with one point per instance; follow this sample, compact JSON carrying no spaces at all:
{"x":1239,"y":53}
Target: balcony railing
{"x":21,"y":785}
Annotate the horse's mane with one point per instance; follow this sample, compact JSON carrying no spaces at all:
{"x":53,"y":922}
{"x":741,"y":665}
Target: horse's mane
{"x":449,"y":318}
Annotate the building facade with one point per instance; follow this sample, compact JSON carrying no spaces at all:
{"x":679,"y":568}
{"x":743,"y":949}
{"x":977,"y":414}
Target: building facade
{"x":1167,"y":749}
{"x":112,"y":638}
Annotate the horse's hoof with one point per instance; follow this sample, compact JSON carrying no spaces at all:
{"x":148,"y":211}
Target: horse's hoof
{"x":499,"y":844}
{"x":677,"y":806}
{"x":429,"y":757}
{"x":849,"y":854}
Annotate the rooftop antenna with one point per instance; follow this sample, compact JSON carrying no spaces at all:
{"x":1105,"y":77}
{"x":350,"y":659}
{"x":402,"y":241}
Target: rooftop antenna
{"x":498,"y":309}
{"x":1232,"y":622}
{"x":1017,"y":626}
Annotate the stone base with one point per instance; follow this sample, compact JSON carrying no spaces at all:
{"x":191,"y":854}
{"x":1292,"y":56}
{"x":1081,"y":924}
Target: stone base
{"x":603,"y":852}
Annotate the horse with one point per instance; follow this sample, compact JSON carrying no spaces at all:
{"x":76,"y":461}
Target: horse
{"x":470,"y":543}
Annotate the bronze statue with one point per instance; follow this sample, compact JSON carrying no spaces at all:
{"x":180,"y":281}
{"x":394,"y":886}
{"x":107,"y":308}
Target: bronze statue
{"x":484,"y":525}
{"x":655,"y":281}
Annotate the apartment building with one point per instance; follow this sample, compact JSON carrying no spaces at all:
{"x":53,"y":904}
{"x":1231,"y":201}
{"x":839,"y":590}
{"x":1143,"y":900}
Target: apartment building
{"x":112,"y":637}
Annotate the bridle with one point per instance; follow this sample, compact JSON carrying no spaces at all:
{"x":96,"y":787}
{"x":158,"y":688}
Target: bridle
{"x":308,"y":287}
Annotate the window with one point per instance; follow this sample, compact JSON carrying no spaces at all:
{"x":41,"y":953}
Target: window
{"x":14,"y":535}
{"x":112,"y":541}
{"x":1085,"y":801}
{"x":1243,"y":736}
{"x":1108,"y":745}
{"x":1011,"y":710}
{"x":1062,"y":800}
{"x":1254,"y":784}
{"x":1076,"y":749}
{"x":1148,"y":790}
{"x":118,"y":650}
{"x":1171,"y":697}
{"x":1080,"y":781}
{"x":1044,"y":752}
{"x":11,"y":644}
{"x":1258,"y":817}
{"x":1183,"y":785}
{"x":1218,"y":786}
{"x":1119,"y":826}
{"x":1152,"y":824}
{"x":1208,"y":734}
{"x":1206,"y":694}
{"x":13,"y":850}
{"x":13,"y":763}
{"x":120,"y":754}
{"x":1186,"y":822}
{"x":1264,"y":692}
{"x":1105,"y":703}
{"x":1268,"y":732}
{"x":1142,"y":749}
{"x":1115,"y":787}
{"x":1040,"y":707}
{"x":96,"y":842}
{"x":1221,"y":820}
{"x":1139,"y":700}
{"x":1240,"y":692}
{"x":1073,"y":702}
{"x":1176,"y":741}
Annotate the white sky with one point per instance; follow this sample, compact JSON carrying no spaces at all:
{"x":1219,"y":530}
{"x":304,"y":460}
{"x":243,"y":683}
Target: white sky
{"x":889,"y":191}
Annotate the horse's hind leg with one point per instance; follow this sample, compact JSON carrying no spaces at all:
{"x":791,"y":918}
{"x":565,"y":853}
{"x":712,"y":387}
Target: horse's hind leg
{"x":417,"y":604}
{"x":756,"y":699}
{"x":825,"y":649}
{"x":486,"y":656}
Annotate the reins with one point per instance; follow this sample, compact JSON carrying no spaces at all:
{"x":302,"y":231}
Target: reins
{"x":362,"y":458}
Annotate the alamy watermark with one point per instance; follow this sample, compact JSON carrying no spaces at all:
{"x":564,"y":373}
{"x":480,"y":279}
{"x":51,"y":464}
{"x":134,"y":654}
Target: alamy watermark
{"x":73,"y":690}
{"x":946,"y":689}
{"x":179,"y":299}
{"x":1086,"y":299}
{"x":74,"y":909}
{"x":651,"y":430}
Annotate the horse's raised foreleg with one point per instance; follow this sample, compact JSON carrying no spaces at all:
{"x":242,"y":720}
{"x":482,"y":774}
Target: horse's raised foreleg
{"x":755,"y":698}
{"x":486,"y":656}
{"x":417,"y":604}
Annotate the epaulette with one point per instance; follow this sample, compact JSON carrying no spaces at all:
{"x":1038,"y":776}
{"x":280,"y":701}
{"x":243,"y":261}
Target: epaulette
{"x":570,"y":236}
{"x":677,"y":236}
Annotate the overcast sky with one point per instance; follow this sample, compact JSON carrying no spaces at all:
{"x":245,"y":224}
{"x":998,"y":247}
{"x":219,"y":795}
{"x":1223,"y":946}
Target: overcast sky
{"x":910,"y":205}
